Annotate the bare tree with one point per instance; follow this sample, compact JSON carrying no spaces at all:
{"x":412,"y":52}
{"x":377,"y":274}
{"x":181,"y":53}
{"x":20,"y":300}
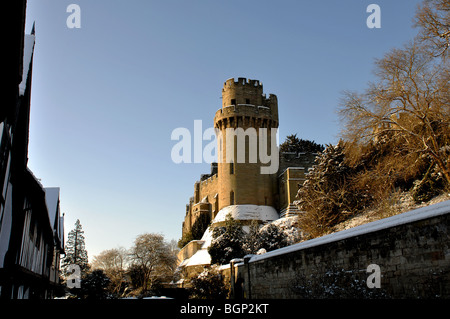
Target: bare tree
{"x":433,"y":19}
{"x":154,"y":257}
{"x":114,"y":263}
{"x":410,"y":103}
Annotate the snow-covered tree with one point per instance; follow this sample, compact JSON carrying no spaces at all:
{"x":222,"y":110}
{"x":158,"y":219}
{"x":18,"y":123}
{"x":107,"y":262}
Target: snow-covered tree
{"x":251,"y":243}
{"x":231,"y":241}
{"x":289,"y":226}
{"x":227,"y":242}
{"x":271,"y":237}
{"x":267,"y":237}
{"x":325,"y":196}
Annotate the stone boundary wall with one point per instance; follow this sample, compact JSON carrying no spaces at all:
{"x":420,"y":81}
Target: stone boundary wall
{"x":412,"y":251}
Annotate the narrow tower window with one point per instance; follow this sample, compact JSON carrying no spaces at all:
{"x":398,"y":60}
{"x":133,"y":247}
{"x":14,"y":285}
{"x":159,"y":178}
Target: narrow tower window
{"x":247,"y":101}
{"x":231,"y":168}
{"x":231,"y":198}
{"x":233,"y":101}
{"x":216,"y":207}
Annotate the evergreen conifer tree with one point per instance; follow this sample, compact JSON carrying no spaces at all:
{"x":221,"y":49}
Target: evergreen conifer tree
{"x":75,"y":249}
{"x":298,"y":145}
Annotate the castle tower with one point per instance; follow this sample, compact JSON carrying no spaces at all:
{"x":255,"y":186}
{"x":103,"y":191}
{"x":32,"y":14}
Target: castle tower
{"x":246,"y":110}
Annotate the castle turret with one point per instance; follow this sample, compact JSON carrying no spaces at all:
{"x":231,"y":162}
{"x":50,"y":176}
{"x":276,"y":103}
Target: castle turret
{"x":248,"y":113}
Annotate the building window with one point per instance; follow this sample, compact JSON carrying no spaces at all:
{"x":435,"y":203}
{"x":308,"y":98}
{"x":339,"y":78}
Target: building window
{"x":233,"y":101}
{"x":231,"y":168}
{"x":247,"y":101}
{"x":231,"y":198}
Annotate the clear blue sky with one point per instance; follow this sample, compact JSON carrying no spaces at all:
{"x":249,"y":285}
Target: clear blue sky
{"x":106,"y":97}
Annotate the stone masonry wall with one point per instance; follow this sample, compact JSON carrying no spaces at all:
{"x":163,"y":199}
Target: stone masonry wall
{"x":412,"y":250}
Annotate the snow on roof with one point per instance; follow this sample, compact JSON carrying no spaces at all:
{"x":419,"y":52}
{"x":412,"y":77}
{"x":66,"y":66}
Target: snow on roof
{"x":27,"y":54}
{"x":183,"y":263}
{"x":201,"y":257}
{"x":400,"y":219}
{"x":207,"y":238}
{"x":247,"y":212}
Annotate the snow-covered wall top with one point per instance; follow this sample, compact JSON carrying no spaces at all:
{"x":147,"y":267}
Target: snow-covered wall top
{"x":247,"y":212}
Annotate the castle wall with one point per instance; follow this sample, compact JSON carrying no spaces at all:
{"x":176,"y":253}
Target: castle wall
{"x":189,"y":250}
{"x":289,"y":182}
{"x":209,"y":189}
{"x":204,"y":202}
{"x":292,"y":174}
{"x":412,"y":250}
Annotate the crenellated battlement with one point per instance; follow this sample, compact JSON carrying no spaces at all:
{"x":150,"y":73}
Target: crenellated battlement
{"x":245,"y":104}
{"x":241,"y":82}
{"x":242,"y":91}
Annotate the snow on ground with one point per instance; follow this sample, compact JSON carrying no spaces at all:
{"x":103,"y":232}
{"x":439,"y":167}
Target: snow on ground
{"x":403,"y":204}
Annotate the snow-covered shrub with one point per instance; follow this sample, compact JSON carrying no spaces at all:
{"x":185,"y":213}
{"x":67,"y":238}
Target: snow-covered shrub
{"x":289,"y":226}
{"x":231,"y":241}
{"x":209,"y":285}
{"x":278,"y":234}
{"x":227,"y":242}
{"x":251,"y":243}
{"x":271,"y":237}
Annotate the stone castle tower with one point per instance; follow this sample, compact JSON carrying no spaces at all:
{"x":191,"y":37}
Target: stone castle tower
{"x":239,"y":183}
{"x":237,"y":179}
{"x":244,"y":105}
